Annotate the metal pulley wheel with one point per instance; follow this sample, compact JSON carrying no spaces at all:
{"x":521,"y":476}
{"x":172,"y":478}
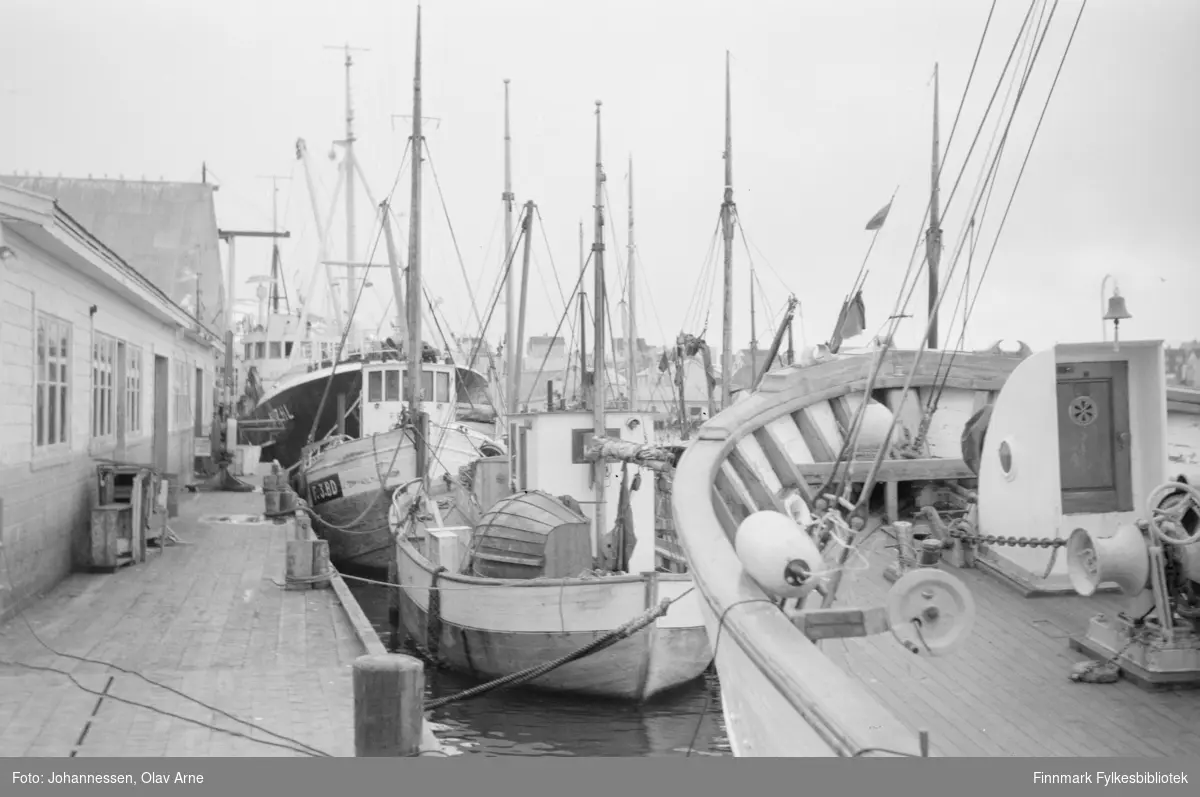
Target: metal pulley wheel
{"x":930,"y":611}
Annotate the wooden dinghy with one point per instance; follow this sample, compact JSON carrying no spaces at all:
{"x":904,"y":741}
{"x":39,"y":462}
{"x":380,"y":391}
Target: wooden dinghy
{"x":800,"y":681}
{"x":519,"y":590}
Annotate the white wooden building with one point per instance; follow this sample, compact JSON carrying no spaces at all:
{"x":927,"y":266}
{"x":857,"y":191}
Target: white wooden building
{"x":96,"y":362}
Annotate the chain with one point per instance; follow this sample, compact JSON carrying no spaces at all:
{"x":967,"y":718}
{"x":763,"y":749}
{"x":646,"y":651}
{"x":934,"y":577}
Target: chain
{"x":1019,"y":542}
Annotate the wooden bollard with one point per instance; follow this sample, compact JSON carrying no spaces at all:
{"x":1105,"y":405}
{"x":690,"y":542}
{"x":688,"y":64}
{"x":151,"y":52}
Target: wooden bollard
{"x":321,"y":566}
{"x":389,"y":697}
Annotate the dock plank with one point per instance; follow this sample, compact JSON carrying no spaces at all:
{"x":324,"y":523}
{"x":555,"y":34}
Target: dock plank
{"x":204,"y":617}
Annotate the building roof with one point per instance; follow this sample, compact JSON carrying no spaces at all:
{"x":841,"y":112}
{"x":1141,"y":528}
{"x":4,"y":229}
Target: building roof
{"x":166,"y":231}
{"x":42,"y":221}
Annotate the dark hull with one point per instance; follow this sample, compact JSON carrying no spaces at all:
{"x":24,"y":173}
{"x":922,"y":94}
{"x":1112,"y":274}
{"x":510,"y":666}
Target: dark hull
{"x":302,"y":400}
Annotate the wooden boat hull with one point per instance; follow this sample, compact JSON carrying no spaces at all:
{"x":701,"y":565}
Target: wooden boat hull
{"x":488,"y":628}
{"x":349,"y":488}
{"x":783,"y":694}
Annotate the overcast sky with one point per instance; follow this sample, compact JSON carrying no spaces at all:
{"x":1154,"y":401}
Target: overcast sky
{"x":832,"y":110}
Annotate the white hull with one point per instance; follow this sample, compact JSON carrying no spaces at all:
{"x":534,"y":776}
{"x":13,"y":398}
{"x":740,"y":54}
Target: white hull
{"x":489,"y":628}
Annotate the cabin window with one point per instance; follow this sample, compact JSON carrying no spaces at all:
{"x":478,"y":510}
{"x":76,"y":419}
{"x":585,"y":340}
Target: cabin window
{"x":694,"y":410}
{"x":443,"y":387}
{"x":133,"y":389}
{"x":249,"y":350}
{"x":374,"y":386}
{"x":53,"y":380}
{"x":426,"y":385}
{"x":391,"y":385}
{"x":104,"y":366}
{"x":276,"y":350}
{"x":260,"y":350}
{"x":306,"y":349}
{"x":287,"y":348}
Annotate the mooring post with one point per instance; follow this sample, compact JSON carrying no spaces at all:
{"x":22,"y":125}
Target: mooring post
{"x":389,"y":695}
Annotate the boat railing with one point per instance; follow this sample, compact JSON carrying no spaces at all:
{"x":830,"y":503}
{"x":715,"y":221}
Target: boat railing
{"x":839,"y":709}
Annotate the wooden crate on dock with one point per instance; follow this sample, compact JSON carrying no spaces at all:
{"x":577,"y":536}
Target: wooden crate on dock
{"x":110,"y":538}
{"x":138,"y":486}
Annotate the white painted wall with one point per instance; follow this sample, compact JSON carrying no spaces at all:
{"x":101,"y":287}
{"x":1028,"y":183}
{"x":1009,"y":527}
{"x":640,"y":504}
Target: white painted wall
{"x":1027,"y":502}
{"x":47,"y":493}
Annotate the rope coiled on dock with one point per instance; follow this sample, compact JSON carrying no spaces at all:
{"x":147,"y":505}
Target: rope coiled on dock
{"x":526,"y":675}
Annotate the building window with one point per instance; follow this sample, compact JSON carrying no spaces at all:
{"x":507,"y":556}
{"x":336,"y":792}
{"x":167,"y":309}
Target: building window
{"x":374,"y":386}
{"x":306,"y":350}
{"x":260,"y":350}
{"x":133,"y":389}
{"x":276,"y":350}
{"x":53,"y":381}
{"x":104,"y":363}
{"x":249,"y":351}
{"x":392,"y":385}
{"x":287,"y":349}
{"x":183,"y":393}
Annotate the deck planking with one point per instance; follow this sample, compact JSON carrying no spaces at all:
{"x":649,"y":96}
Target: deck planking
{"x":1007,"y":692}
{"x":206,"y":617}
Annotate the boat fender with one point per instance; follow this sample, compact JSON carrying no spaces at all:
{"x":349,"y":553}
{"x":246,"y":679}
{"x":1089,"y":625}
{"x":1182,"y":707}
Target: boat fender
{"x":778,"y":554}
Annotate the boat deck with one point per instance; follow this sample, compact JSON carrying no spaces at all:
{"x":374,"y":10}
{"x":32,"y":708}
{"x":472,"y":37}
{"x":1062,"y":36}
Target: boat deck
{"x":205,"y":617}
{"x":1007,"y":692}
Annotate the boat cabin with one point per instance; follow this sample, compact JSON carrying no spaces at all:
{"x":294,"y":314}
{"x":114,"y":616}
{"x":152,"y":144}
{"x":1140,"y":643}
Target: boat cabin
{"x":384,"y":384}
{"x":549,"y":455}
{"x":1076,"y":439}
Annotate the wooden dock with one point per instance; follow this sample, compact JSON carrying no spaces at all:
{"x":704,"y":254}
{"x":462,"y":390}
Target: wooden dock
{"x":209,"y":618}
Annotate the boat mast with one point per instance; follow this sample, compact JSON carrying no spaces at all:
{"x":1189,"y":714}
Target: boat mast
{"x":583,"y":384}
{"x":415,"y":348}
{"x":727,"y":209}
{"x":631,"y":326}
{"x":600,"y":467}
{"x":933,"y":237}
{"x":351,"y":252}
{"x":510,"y":286}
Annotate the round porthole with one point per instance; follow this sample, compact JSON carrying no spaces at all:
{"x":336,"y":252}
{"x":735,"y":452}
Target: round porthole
{"x":1006,"y":459}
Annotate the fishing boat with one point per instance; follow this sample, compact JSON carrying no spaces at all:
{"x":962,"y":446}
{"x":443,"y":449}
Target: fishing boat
{"x":538,"y":590}
{"x":868,"y":528}
{"x":312,"y":371}
{"x":348,"y":472}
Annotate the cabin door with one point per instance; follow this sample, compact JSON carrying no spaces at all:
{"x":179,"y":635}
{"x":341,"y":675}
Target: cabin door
{"x":1095,"y":461}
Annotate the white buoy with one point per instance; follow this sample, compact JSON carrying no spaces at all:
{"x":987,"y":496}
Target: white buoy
{"x":778,"y":554}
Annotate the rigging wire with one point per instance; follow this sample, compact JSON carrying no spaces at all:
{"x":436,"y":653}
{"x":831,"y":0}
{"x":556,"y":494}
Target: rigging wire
{"x":895,"y":317}
{"x":354,"y":308}
{"x":1028,"y":151}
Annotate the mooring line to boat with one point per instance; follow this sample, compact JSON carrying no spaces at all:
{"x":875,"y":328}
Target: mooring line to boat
{"x":596,"y":645}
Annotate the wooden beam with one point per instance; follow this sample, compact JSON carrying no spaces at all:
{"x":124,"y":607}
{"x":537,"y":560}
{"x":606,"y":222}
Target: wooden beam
{"x":893,"y":470}
{"x":819,"y":624}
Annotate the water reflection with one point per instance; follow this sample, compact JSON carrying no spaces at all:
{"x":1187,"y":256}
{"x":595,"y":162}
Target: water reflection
{"x":521,"y":722}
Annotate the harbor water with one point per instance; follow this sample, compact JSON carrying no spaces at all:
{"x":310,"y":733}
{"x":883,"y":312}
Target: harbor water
{"x":525,"y":722}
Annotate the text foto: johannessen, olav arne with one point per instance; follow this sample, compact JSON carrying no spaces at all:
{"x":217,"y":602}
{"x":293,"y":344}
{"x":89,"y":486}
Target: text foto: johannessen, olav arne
{"x":105,"y":777}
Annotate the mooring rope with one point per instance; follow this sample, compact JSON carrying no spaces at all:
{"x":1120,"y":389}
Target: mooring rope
{"x":596,"y":645}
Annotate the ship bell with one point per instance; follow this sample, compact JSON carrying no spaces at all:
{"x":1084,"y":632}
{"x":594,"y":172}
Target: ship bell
{"x":1116,"y":308}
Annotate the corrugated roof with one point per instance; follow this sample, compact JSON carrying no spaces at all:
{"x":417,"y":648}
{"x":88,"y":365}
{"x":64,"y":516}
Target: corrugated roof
{"x":166,"y":231}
